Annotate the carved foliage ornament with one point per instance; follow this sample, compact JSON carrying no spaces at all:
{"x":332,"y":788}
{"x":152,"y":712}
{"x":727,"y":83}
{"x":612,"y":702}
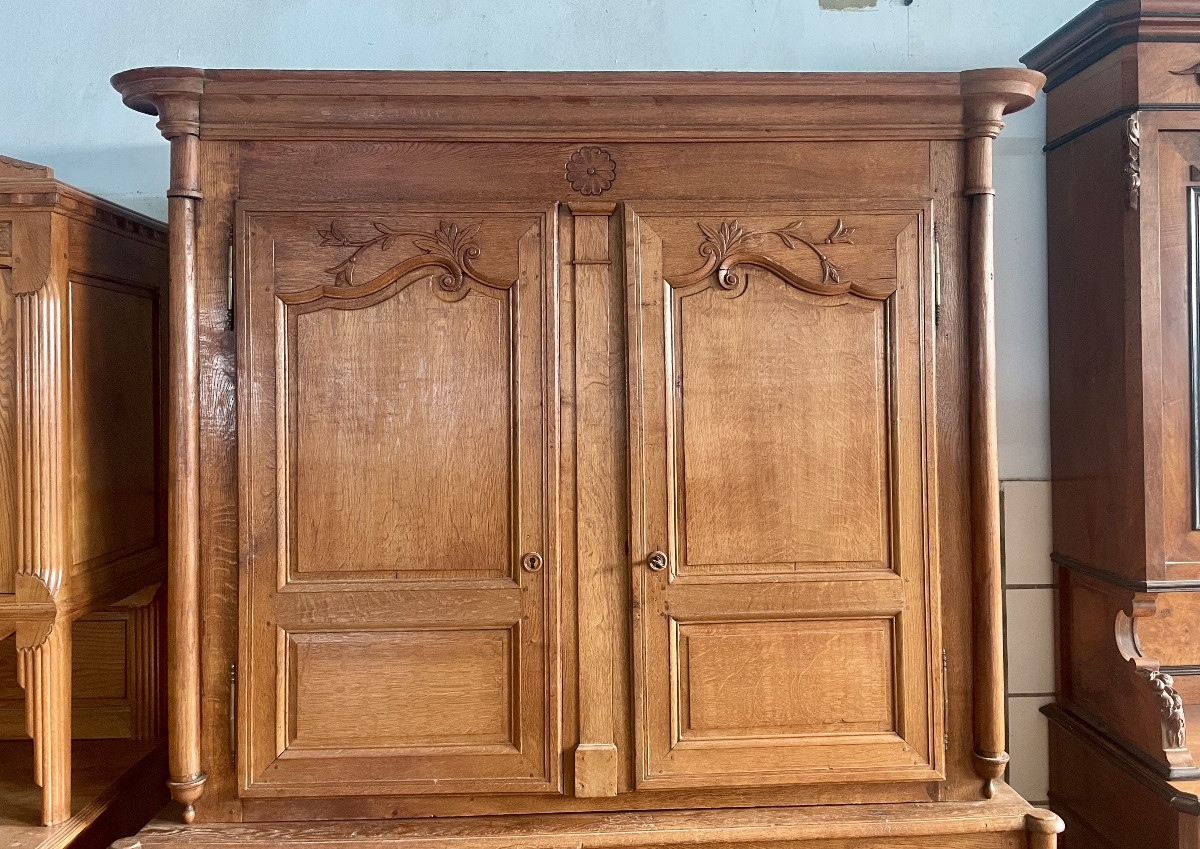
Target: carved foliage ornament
{"x":730,"y":245}
{"x":1133,"y":158}
{"x":591,"y":170}
{"x":1170,"y":707}
{"x":449,"y":248}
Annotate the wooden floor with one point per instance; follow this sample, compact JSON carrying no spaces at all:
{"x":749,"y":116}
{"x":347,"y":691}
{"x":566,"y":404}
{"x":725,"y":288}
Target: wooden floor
{"x":117,"y":785}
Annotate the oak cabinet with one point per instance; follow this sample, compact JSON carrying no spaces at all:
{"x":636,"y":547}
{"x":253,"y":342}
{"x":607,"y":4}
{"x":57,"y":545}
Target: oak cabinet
{"x":82,"y":509}
{"x":574,"y":449}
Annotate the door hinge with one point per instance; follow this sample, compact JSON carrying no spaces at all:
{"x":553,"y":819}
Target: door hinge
{"x":233,"y":714}
{"x":937,"y":275}
{"x":945,"y":701}
{"x":229,"y":285}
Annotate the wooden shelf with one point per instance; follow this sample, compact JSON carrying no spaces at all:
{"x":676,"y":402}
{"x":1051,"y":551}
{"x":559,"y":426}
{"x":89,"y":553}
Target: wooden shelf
{"x":116,"y":786}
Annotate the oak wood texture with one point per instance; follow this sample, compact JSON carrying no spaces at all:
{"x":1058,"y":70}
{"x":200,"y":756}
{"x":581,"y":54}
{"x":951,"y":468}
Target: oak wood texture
{"x":117,"y":787}
{"x":82,"y":476}
{"x":1124,"y":127}
{"x":579,"y":444}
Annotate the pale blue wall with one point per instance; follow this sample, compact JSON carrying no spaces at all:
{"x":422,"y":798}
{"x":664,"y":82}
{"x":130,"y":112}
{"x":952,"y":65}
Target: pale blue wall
{"x":58,"y":109}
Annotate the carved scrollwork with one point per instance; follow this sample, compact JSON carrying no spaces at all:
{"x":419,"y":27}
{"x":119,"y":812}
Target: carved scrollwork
{"x":1133,"y":159}
{"x":449,"y":248}
{"x":1170,"y":707}
{"x":730,"y":245}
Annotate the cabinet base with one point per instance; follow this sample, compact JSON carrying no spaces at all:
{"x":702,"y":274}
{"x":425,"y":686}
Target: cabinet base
{"x":1109,"y":799}
{"x":1004,"y":822}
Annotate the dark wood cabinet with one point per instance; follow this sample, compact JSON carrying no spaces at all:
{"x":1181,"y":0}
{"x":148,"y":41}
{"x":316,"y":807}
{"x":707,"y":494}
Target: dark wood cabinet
{"x":1123,"y":181}
{"x":576,"y":450}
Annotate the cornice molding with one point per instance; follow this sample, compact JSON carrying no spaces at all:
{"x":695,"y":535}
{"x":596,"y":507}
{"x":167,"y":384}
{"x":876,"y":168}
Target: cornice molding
{"x":1105,"y":26}
{"x":597,"y":107}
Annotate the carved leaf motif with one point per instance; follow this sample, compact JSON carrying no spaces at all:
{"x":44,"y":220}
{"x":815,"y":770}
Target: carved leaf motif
{"x":841,"y":234}
{"x":722,"y":246}
{"x":454,"y":248}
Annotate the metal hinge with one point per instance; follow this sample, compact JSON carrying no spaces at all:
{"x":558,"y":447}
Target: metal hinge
{"x":937,"y":276}
{"x":233,"y":714}
{"x":229,"y":286}
{"x":945,"y":701}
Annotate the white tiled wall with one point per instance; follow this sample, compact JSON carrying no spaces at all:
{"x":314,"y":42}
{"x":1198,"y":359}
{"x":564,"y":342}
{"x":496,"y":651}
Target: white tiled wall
{"x":1029,"y":631}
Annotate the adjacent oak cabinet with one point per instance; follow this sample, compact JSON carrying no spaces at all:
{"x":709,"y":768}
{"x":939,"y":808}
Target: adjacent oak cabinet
{"x":1123,"y":158}
{"x":585,"y":459}
{"x":83,"y":529}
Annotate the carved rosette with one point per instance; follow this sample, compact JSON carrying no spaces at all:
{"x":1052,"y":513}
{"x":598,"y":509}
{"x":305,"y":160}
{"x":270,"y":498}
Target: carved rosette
{"x":729,"y":249}
{"x":450,"y":249}
{"x":591,"y":170}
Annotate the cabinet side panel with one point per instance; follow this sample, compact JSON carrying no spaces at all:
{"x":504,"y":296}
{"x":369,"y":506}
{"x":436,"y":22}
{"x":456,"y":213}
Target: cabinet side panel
{"x":1095,"y":400}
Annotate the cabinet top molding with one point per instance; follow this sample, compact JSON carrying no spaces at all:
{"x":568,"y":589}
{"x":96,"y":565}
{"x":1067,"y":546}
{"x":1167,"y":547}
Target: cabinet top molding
{"x":1107,"y":25}
{"x":569,"y":106}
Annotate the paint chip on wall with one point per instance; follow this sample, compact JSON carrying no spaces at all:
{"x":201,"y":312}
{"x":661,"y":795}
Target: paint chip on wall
{"x":846,"y":5}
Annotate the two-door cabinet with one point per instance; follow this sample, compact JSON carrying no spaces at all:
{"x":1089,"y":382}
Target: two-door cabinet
{"x":585,"y":459}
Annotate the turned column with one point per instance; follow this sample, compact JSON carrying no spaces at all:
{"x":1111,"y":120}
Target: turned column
{"x":174,"y":96}
{"x":987,"y":98}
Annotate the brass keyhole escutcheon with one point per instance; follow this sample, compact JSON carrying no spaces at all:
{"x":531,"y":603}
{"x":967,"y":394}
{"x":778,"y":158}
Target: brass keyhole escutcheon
{"x":657,"y":561}
{"x":532,"y":562}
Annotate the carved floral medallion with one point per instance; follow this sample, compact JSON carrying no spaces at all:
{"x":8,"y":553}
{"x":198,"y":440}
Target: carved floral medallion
{"x":591,"y":170}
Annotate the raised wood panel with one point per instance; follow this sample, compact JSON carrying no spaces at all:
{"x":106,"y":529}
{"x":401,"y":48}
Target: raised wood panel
{"x":114,"y":375}
{"x":782,"y":539}
{"x":424,"y":420}
{"x":396,"y":434}
{"x":756,"y":373}
{"x":398,"y":689}
{"x":766,"y":679}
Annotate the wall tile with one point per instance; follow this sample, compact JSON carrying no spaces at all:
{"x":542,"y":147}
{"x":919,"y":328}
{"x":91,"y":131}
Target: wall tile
{"x":1028,"y":770}
{"x":1029,"y":632}
{"x":1027,"y":540}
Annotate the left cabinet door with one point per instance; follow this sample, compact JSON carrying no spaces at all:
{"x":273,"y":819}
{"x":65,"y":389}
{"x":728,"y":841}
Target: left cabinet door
{"x":398,"y":602}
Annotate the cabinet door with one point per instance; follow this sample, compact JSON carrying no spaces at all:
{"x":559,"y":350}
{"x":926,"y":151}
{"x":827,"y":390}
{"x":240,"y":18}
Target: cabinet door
{"x":785,"y":616}
{"x":399,"y":628}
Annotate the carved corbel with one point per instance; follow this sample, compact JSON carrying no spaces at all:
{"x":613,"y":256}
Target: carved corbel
{"x":173,"y":94}
{"x":1166,"y":698}
{"x":987,"y":97}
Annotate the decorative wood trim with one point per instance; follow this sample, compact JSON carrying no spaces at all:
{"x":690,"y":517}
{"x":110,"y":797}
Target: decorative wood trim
{"x":1170,"y":707}
{"x":177,"y":103}
{"x":11,"y":167}
{"x":604,"y":107}
{"x":44,"y":671}
{"x":1162,"y":685}
{"x":1120,"y":580}
{"x":1133,"y":158}
{"x":599,"y":388}
{"x":452,"y":249}
{"x":986,"y":100}
{"x":591,"y":170}
{"x":730,"y":245}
